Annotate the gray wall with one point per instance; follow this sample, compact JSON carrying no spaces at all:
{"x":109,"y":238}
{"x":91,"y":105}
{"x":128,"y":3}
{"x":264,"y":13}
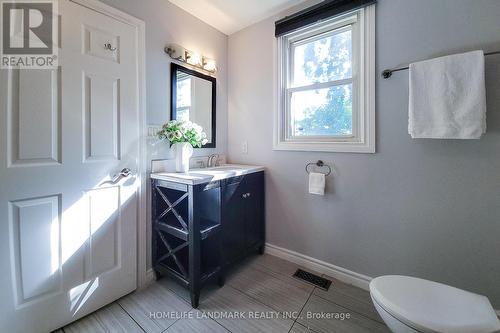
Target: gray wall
{"x":165,"y":24}
{"x":427,"y":208}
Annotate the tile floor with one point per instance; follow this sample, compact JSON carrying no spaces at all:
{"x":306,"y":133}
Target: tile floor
{"x":260,"y":295}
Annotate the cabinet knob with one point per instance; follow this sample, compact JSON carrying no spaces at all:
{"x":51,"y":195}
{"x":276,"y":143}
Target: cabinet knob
{"x":249,"y":195}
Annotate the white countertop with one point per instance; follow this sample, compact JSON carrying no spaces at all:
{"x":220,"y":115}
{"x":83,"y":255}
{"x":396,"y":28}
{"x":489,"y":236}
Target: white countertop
{"x":206,"y":175}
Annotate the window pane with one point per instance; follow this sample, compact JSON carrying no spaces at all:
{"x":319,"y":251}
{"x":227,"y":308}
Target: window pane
{"x":182,"y":114}
{"x":323,"y":60}
{"x":183,"y":93}
{"x":323,"y":112}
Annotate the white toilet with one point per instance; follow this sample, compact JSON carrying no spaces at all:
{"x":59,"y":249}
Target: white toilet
{"x":412,"y":305}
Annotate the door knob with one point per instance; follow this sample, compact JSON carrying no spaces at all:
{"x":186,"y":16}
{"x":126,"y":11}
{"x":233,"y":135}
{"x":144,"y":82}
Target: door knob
{"x":126,"y":172}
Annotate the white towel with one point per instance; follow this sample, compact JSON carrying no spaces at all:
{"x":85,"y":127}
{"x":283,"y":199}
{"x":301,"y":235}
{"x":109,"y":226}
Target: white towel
{"x":448,"y":97}
{"x":317,"y":183}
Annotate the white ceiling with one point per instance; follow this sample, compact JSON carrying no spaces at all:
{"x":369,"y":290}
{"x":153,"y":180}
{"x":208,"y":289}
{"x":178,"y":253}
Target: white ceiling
{"x":229,"y":16}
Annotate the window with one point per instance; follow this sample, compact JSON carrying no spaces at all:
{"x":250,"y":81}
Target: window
{"x":183,"y":97}
{"x":326,"y":86}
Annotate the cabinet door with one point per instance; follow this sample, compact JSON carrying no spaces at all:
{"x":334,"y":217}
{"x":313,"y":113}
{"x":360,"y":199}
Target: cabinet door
{"x":233,"y":221}
{"x":254,"y":206}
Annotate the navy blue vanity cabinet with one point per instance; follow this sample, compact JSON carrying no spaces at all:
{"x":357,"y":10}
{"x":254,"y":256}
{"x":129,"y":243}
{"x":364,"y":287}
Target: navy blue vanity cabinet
{"x":243,"y":216}
{"x":233,"y":217}
{"x":186,"y":233}
{"x":255,"y":213}
{"x":198,"y":231}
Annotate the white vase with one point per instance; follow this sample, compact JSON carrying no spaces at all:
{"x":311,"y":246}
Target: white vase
{"x":182,"y":152}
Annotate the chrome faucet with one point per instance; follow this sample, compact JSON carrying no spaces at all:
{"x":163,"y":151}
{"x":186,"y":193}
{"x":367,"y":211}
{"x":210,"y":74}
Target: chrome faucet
{"x":213,"y":160}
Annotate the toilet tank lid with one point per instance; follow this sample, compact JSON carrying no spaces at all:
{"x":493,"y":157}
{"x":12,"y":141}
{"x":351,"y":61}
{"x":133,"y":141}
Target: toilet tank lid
{"x":433,"y":307}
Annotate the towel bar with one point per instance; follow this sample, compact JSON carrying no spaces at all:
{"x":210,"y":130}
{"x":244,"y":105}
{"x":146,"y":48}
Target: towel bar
{"x":388,"y":72}
{"x":319,"y":164}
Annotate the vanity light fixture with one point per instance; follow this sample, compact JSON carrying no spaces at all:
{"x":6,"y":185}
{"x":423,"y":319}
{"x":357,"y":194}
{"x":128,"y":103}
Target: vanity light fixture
{"x":193,"y":58}
{"x":176,"y":52}
{"x":197,"y":60}
{"x":209,"y":64}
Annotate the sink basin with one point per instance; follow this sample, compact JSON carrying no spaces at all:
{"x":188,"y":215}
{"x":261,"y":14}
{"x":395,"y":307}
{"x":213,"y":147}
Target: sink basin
{"x":227,"y":167}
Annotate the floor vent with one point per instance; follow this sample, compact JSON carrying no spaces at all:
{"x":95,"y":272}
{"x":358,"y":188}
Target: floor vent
{"x":313,"y":279}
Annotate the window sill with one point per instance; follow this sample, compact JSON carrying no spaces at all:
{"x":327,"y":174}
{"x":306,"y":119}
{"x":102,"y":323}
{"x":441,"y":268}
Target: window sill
{"x":332,"y":147}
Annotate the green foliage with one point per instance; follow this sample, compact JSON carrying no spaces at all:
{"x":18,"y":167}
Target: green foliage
{"x":335,"y":116}
{"x":183,"y":131}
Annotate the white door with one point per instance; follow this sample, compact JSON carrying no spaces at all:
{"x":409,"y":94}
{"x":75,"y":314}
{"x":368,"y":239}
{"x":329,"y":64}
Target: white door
{"x":67,"y":232}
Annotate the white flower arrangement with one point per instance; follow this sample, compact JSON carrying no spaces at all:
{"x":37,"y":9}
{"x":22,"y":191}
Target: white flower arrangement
{"x":176,"y":131}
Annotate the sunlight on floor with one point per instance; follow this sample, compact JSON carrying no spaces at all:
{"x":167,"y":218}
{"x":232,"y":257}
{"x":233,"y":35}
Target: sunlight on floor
{"x":80,"y":294}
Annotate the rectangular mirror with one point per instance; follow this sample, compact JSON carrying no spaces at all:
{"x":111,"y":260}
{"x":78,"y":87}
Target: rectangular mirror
{"x":193,"y":98}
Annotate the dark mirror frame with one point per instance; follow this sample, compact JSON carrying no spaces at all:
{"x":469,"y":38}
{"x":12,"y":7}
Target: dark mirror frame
{"x":174,"y":68}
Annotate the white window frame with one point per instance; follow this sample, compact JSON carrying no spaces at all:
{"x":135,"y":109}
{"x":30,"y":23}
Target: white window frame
{"x":362,"y":140}
{"x":191,"y":83}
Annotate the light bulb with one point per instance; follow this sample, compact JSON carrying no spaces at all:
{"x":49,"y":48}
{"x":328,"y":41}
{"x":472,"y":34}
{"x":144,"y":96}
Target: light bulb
{"x":193,"y":58}
{"x":209,"y":65}
{"x":176,"y":52}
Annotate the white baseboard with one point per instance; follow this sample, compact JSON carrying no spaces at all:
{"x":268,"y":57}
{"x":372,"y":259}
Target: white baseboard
{"x":339,"y":273}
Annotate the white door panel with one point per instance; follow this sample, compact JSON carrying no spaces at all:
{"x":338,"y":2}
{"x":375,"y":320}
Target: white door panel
{"x":67,"y":234}
{"x":34,"y":111}
{"x":101,"y":96}
{"x":95,"y":38}
{"x":35,"y":232}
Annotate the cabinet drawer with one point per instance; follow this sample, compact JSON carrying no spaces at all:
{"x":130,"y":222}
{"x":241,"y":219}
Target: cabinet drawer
{"x":170,"y":185}
{"x":256,"y":176}
{"x":234,"y":180}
